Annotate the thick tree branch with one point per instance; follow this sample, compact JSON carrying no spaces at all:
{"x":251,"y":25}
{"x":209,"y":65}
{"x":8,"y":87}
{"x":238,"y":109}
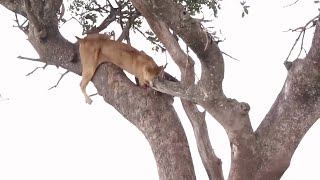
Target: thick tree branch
{"x":232,"y":115}
{"x":295,"y":110}
{"x":39,"y":29}
{"x":14,"y":6}
{"x":210,"y":161}
{"x":177,"y":18}
{"x":162,"y":128}
{"x":190,"y":93}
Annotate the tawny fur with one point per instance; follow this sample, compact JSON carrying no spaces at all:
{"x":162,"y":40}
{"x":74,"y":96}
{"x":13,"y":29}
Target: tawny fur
{"x":99,"y":48}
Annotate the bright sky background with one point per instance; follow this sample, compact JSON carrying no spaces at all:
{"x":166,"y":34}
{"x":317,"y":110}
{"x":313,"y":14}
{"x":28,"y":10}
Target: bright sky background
{"x":55,"y":135}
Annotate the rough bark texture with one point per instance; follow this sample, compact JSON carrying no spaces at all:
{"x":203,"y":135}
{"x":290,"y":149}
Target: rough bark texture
{"x":150,"y":112}
{"x":266,"y":153}
{"x":261,"y":155}
{"x":210,"y":161}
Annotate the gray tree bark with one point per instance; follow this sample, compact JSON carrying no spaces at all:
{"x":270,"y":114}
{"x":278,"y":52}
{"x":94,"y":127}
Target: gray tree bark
{"x":262,"y":154}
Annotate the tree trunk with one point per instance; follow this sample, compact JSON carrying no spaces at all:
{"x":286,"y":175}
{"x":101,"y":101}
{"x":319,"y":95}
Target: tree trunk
{"x":151,"y":112}
{"x":263,"y":154}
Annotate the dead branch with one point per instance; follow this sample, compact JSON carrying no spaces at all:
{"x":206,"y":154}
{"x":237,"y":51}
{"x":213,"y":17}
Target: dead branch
{"x":290,"y":4}
{"x":301,"y":45}
{"x":230,"y":56}
{"x":24,"y":28}
{"x":43,"y":67}
{"x":157,"y":44}
{"x":31,"y":59}
{"x":3,"y":99}
{"x":62,"y":75}
{"x":93,"y":94}
{"x":294,"y":44}
{"x":72,"y":18}
{"x":311,"y":23}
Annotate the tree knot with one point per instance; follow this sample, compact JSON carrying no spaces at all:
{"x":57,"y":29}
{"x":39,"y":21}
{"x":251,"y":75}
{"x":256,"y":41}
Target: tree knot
{"x":244,"y":107}
{"x":288,"y":65}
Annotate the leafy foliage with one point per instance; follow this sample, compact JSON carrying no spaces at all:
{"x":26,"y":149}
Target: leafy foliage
{"x":195,"y":6}
{"x":245,"y":8}
{"x":89,"y":13}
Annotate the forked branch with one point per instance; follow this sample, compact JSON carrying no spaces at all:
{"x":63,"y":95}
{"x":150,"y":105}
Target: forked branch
{"x":43,"y":67}
{"x":210,"y":161}
{"x":62,"y":75}
{"x":302,"y":30}
{"x":24,"y":28}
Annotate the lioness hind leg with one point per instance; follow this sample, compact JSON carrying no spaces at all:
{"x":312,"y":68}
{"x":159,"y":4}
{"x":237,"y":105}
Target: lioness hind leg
{"x":87,"y":75}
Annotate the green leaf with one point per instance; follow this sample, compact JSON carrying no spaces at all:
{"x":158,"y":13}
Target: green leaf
{"x":246,"y":10}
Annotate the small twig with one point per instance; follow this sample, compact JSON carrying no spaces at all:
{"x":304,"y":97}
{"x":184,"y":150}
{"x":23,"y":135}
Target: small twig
{"x":62,"y":75}
{"x":301,"y":31}
{"x":290,"y":4}
{"x":157,"y":44}
{"x":93,"y":94}
{"x":3,"y":99}
{"x":230,"y":56}
{"x":31,"y":59}
{"x":305,"y":27}
{"x":63,"y":23}
{"x":21,"y":26}
{"x":301,"y":46}
{"x":294,"y":44}
{"x":43,"y":67}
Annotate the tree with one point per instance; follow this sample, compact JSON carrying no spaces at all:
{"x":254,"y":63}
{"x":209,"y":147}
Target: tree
{"x":261,"y":154}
